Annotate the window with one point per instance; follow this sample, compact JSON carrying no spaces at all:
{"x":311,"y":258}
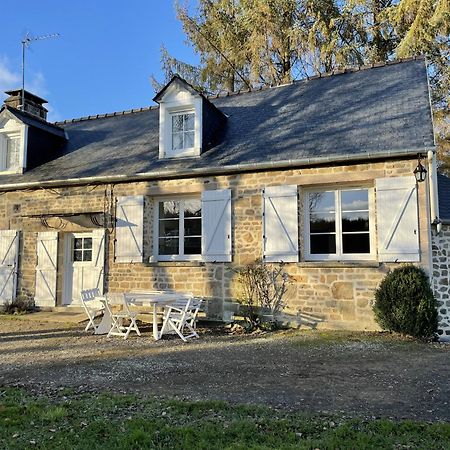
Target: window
{"x":179,"y":229}
{"x":183,"y":131}
{"x":338,"y":224}
{"x":82,"y":249}
{"x":9,"y":151}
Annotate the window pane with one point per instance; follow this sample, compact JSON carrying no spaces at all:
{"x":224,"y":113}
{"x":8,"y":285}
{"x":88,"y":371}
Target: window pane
{"x":192,"y":208}
{"x":189,"y":122}
{"x":177,"y":123}
{"x":169,"y":210}
{"x":87,"y":243}
{"x":355,"y":221}
{"x":322,"y":223}
{"x":87,"y":255}
{"x":189,"y":139}
{"x":193,"y":246}
{"x":355,"y":200}
{"x":193,"y":227}
{"x":356,"y":243}
{"x":168,"y":246}
{"x":169,"y":228}
{"x":323,"y":243}
{"x":78,"y":243}
{"x":78,"y":255}
{"x":177,"y":141}
{"x":321,"y":201}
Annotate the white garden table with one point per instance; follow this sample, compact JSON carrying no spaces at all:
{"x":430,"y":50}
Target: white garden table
{"x":154,"y":299}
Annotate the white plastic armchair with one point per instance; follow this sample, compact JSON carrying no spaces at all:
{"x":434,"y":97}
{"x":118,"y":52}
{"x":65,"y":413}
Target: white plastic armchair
{"x":92,"y":302}
{"x":180,"y":317}
{"x":117,"y":318}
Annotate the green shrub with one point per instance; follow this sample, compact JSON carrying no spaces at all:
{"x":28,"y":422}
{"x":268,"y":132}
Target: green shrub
{"x":404,"y":302}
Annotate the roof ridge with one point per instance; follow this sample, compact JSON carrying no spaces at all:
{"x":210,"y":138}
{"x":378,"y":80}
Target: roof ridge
{"x":105,"y":115}
{"x":341,"y":71}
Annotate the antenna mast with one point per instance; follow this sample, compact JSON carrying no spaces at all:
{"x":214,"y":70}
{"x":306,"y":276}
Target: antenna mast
{"x":26,"y":42}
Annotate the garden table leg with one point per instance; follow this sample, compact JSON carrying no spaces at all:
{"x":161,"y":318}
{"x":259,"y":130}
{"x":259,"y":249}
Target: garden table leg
{"x":156,"y":335}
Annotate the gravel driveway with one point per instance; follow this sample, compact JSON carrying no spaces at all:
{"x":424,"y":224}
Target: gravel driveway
{"x":351,"y":373}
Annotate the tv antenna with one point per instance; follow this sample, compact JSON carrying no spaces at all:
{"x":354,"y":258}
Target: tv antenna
{"x":26,"y":42}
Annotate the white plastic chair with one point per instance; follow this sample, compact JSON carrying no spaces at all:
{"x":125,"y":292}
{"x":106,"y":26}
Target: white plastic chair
{"x":92,"y":304}
{"x":180,"y":317}
{"x":117,"y":318}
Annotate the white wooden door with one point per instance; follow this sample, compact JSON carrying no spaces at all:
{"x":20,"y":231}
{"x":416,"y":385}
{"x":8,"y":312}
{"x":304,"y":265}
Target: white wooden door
{"x":46,"y":268}
{"x":9,"y":250}
{"x":84,"y":264}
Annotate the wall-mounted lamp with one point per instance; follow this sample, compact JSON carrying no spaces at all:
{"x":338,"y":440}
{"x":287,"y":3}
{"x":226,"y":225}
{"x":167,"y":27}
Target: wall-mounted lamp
{"x":420,"y":172}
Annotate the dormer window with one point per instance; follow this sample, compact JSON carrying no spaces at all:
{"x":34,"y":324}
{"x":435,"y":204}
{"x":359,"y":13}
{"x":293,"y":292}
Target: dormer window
{"x":11,"y":146}
{"x":189,"y":123}
{"x":183,"y":131}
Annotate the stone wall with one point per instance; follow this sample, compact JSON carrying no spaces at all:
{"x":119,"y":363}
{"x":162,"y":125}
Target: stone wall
{"x":337,"y":294}
{"x":440,"y":278}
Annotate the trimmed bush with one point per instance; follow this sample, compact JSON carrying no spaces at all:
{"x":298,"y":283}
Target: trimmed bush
{"x":404,"y":302}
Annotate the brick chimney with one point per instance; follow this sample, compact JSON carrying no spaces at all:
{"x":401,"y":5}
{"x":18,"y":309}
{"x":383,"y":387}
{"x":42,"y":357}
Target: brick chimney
{"x":33,"y":103}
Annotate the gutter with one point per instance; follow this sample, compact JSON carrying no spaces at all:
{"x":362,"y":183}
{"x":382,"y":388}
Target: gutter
{"x":205,"y":171}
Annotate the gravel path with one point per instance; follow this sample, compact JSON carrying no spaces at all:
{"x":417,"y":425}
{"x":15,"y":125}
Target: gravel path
{"x":353,"y":373}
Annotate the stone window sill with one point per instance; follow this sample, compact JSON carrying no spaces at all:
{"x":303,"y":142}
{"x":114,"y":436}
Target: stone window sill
{"x":175,"y":264}
{"x":339,"y":264}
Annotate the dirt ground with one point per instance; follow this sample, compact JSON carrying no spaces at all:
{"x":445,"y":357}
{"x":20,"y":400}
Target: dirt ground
{"x":370,"y":375}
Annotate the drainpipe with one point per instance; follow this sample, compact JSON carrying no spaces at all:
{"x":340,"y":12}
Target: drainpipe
{"x":434,"y":201}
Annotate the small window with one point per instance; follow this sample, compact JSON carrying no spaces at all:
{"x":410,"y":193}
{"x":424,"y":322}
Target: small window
{"x":338,"y":224}
{"x":82,"y":249}
{"x":183,"y":131}
{"x":179,"y":229}
{"x":9,"y":152}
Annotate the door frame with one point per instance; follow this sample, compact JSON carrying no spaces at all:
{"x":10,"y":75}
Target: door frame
{"x":67,"y":299}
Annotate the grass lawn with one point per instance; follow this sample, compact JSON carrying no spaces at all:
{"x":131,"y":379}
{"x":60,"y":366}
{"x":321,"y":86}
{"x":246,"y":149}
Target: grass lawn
{"x":92,"y":421}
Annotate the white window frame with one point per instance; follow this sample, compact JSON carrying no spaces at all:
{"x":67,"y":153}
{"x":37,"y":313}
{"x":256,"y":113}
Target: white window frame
{"x":11,"y":129}
{"x":339,"y":255}
{"x":180,"y":256}
{"x":82,"y":236}
{"x":179,"y":101}
{"x":185,"y":151}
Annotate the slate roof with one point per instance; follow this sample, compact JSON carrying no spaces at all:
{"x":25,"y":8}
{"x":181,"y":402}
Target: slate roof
{"x":444,"y":197}
{"x":354,"y":115}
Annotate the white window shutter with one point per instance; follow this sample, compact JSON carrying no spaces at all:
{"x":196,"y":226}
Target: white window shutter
{"x":3,"y":151}
{"x":46,"y":268}
{"x":9,"y":252}
{"x":129,"y":229}
{"x":280,"y":224}
{"x":98,"y":258}
{"x":397,"y":219}
{"x":216,"y":225}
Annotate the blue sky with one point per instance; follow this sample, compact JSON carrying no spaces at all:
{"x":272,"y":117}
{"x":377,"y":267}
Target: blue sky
{"x":103,"y":60}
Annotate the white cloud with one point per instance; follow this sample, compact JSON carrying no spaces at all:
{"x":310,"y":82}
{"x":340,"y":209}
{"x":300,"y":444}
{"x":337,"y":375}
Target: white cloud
{"x":8,"y":78}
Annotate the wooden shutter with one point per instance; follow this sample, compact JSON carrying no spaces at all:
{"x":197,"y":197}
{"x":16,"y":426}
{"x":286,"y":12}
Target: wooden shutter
{"x":397,"y":219}
{"x":9,"y":251}
{"x":98,"y":258}
{"x":280,"y":224}
{"x":216,"y":225}
{"x":129,"y":229}
{"x":46,"y":268}
{"x":3,"y":151}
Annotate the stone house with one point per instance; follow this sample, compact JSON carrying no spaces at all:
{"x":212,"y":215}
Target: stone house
{"x":317,"y":173}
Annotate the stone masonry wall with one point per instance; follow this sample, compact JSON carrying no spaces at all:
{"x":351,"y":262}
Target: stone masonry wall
{"x":440,"y":278}
{"x":337,"y":294}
